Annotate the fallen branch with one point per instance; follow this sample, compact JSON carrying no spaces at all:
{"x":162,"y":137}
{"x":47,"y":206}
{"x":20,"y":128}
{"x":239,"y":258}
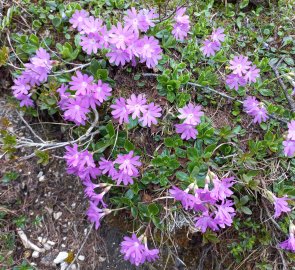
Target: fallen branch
{"x":27,"y":243}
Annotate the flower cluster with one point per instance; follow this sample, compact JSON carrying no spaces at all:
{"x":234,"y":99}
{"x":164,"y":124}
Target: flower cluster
{"x":191,"y":115}
{"x":243,"y":72}
{"x":123,"y":42}
{"x":138,"y":108}
{"x":181,"y":25}
{"x":213,"y":43}
{"x":136,"y":252}
{"x":289,"y":244}
{"x":82,"y":164}
{"x":35,"y":73}
{"x":126,"y":171}
{"x":289,"y":144}
{"x":215,"y":209}
{"x":86,"y":95}
{"x":255,"y":109}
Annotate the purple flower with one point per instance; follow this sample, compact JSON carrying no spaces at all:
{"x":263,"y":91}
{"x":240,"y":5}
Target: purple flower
{"x":133,"y":250}
{"x":80,"y":83}
{"x":91,"y":25}
{"x":120,"y":177}
{"x":224,"y":214}
{"x":120,"y":110}
{"x":151,"y":254}
{"x":221,"y":188}
{"x":291,"y":130}
{"x":240,"y":65}
{"x":95,"y":214}
{"x":187,"y":200}
{"x":136,"y":105}
{"x":128,"y":163}
{"x":77,"y":20}
{"x":252,"y":74}
{"x":148,"y":15}
{"x":98,"y":198}
{"x":191,"y":114}
{"x":72,"y":155}
{"x":187,"y":131}
{"x":135,"y":21}
{"x":118,"y":56}
{"x":234,"y":81}
{"x":88,"y":173}
{"x":76,"y":110}
{"x":289,"y":148}
{"x":218,"y":35}
{"x":121,"y":36}
{"x":289,"y":244}
{"x":150,"y":116}
{"x":25,"y":100}
{"x":253,"y":108}
{"x":104,"y":38}
{"x":210,"y":47}
{"x":64,"y":96}
{"x":107,"y":167}
{"x":280,"y":205}
{"x":21,"y":86}
{"x":180,"y":17}
{"x":180,"y":31}
{"x":90,"y":44}
{"x":206,"y":221}
{"x":150,"y":51}
{"x":101,"y":91}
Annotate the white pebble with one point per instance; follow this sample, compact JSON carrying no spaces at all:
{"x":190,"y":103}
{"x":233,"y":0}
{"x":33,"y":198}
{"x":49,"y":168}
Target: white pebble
{"x":61,"y":257}
{"x":35,"y":254}
{"x":57,"y":215}
{"x":81,"y":258}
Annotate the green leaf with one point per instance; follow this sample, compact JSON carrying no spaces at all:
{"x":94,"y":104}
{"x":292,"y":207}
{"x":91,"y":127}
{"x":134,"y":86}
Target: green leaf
{"x":244,"y":4}
{"x":128,"y":146}
{"x":246,"y":210}
{"x":110,"y":129}
{"x":3,"y":55}
{"x":182,"y":176}
{"x":43,"y":157}
{"x":153,"y":209}
{"x":56,"y":21}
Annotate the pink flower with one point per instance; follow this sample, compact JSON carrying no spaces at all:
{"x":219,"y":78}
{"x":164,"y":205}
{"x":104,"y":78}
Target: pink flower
{"x":289,"y":148}
{"x":72,"y":155}
{"x":151,"y":254}
{"x":191,"y":114}
{"x":91,"y":25}
{"x":150,"y":116}
{"x":280,"y":205}
{"x":120,"y":110}
{"x":291,"y":130}
{"x":123,"y":177}
{"x":128,"y":163}
{"x":136,"y":105}
{"x":120,"y":36}
{"x":218,"y":35}
{"x":90,"y":43}
{"x":101,"y":91}
{"x":77,"y":20}
{"x":252,"y":74}
{"x":240,"y":65}
{"x":234,"y":81}
{"x":119,"y":56}
{"x":95,"y":214}
{"x":187,"y":131}
{"x":253,"y":108}
{"x":206,"y":221}
{"x":133,"y":250}
{"x":135,"y":21}
{"x":104,"y":38}
{"x":150,"y":51}
{"x":76,"y":110}
{"x":80,"y":83}
{"x":64,"y":96}
{"x":209,"y":47}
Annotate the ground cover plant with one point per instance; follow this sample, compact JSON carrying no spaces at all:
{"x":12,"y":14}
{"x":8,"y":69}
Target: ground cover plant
{"x":175,"y":117}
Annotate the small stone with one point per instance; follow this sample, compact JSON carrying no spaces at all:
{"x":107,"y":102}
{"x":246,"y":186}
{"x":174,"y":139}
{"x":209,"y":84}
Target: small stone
{"x":47,"y":246}
{"x":81,"y":258}
{"x":40,"y":239}
{"x":60,"y":257}
{"x":63,"y":245}
{"x":35,"y":254}
{"x":42,"y":178}
{"x":101,"y":259}
{"x":40,"y":174}
{"x":51,"y":243}
{"x":57,"y":215}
